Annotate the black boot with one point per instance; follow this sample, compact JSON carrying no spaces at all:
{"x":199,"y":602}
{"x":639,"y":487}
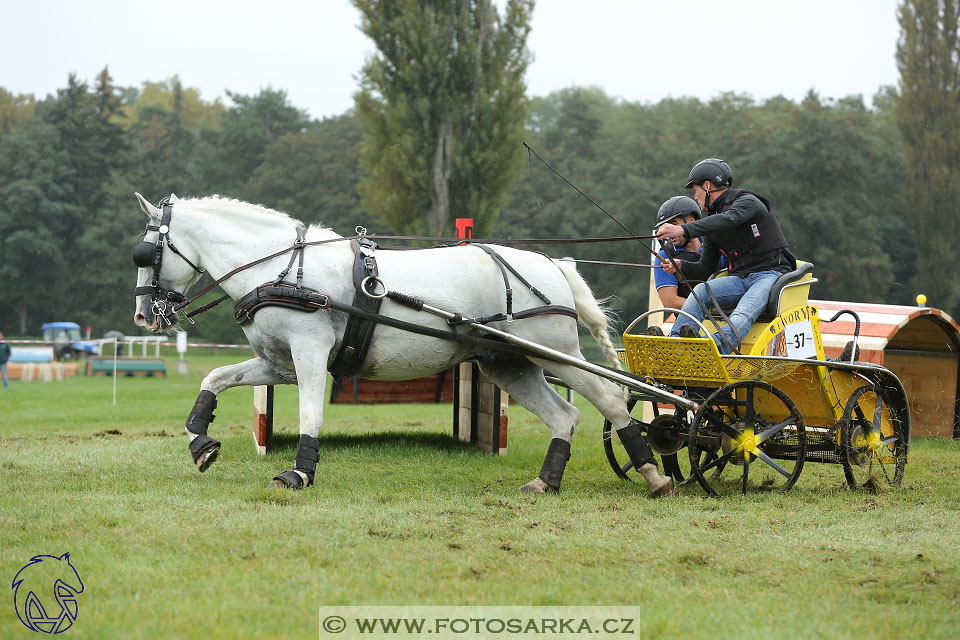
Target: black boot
{"x":203,"y":448}
{"x":305,"y":463}
{"x":554,"y":463}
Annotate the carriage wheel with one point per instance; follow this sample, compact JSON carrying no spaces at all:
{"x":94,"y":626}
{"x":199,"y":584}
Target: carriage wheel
{"x":871,"y":457}
{"x":665,"y":446}
{"x":751,"y":426}
{"x":676,"y":462}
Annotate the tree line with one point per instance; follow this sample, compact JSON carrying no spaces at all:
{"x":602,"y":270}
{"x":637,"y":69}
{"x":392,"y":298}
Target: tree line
{"x":843,"y":178}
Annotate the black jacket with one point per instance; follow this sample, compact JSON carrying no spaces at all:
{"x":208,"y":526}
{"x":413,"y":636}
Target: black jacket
{"x":741,"y":226}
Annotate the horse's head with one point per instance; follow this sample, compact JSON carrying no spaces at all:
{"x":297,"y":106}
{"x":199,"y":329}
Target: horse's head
{"x":166,"y":269}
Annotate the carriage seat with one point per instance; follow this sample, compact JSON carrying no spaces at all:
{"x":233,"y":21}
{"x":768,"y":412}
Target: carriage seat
{"x":790,"y":290}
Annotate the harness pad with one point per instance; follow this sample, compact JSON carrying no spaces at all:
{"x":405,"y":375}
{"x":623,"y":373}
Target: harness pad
{"x":279,"y":294}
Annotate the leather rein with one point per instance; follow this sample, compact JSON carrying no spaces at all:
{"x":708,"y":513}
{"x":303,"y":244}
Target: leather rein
{"x":168,"y":304}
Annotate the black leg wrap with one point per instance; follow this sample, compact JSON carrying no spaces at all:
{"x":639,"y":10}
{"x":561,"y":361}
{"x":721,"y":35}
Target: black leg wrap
{"x":290,"y":479}
{"x":307,"y":455}
{"x":636,"y":445}
{"x":202,"y":413}
{"x":204,"y":450}
{"x":555,"y":462}
{"x":306,"y":463}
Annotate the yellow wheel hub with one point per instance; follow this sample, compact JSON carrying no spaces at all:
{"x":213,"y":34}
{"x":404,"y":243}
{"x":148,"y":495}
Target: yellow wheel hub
{"x":869,"y":441}
{"x":748,"y":443}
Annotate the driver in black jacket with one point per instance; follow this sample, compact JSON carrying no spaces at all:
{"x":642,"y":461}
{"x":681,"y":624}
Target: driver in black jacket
{"x":740,"y":226}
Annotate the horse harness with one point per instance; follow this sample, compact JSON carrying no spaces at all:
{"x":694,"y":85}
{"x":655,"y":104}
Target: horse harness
{"x":150,"y":254}
{"x":359,"y":330}
{"x":363,"y":314}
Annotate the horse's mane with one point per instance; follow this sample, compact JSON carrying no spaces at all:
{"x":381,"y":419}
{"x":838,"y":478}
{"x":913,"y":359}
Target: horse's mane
{"x":250,"y":208}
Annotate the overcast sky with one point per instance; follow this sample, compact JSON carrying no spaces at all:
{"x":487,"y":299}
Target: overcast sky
{"x":638,"y":50}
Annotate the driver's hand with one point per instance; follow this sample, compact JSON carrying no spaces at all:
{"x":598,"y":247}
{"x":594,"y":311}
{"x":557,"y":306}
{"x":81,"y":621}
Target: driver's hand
{"x":671,"y":232}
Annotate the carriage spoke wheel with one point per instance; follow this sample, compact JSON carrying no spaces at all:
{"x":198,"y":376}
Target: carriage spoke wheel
{"x":751,"y":427}
{"x":669,"y":462}
{"x":874,"y":451}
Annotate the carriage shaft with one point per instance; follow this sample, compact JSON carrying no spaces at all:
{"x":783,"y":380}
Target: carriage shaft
{"x":563,"y":358}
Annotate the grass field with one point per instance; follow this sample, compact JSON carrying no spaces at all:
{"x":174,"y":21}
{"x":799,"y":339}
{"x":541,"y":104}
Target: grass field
{"x":402,"y":514}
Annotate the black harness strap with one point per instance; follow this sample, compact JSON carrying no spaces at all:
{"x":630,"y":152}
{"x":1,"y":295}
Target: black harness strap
{"x":510,"y":316}
{"x":503,"y":264}
{"x":519,"y":315}
{"x":359,"y":331}
{"x":465,"y":338}
{"x":506,"y":285}
{"x":298,"y":251}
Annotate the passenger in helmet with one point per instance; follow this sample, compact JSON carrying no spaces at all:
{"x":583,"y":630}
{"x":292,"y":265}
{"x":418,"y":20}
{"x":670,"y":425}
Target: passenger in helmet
{"x":739,"y":226}
{"x":677,"y":210}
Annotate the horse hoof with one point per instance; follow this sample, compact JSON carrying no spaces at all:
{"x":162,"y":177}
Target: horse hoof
{"x":535,"y":486}
{"x":207,"y":457}
{"x":290,"y":480}
{"x":665,"y":490}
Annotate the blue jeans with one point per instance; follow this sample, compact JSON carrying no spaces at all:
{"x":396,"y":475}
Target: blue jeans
{"x":6,"y":380}
{"x":749,"y":293}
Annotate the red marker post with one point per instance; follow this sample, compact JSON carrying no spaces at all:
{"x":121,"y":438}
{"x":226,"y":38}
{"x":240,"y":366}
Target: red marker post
{"x":465,"y":228}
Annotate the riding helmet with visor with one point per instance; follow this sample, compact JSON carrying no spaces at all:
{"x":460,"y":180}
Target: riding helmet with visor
{"x":713,"y":169}
{"x":677,"y":206}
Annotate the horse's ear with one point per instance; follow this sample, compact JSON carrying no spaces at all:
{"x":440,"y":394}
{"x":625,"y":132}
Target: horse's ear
{"x":151,"y":211}
{"x":173,"y":198}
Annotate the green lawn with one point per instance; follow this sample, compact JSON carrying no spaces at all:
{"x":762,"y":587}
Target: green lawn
{"x":402,"y":514}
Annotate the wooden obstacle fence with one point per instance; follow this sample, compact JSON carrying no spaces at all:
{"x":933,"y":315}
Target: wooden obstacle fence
{"x":479,"y":410}
{"x":479,"y":406}
{"x":428,"y":389}
{"x":263,"y":419}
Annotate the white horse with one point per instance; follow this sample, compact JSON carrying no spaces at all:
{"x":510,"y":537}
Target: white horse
{"x":219,"y":235}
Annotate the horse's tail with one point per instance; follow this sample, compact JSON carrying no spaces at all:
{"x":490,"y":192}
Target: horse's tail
{"x":592,"y":312}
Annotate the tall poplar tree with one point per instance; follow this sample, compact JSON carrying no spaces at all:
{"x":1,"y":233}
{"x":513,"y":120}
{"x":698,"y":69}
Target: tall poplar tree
{"x":928,"y":115}
{"x":442,"y":108}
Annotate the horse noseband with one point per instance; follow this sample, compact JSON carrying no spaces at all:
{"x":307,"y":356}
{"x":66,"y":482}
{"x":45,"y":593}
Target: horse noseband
{"x":165,"y":302}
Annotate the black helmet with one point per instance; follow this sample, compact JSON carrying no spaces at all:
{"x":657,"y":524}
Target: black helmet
{"x":713,"y":169}
{"x":677,"y":206}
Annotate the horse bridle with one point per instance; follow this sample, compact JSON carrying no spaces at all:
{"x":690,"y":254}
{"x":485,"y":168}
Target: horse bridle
{"x":150,"y":254}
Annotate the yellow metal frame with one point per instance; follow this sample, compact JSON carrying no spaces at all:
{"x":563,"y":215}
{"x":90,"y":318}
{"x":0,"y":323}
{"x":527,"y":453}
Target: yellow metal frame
{"x":819,"y":393}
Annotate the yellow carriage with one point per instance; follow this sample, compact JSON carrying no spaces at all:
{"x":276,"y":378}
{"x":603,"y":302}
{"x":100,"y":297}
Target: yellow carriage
{"x":750,"y":421}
